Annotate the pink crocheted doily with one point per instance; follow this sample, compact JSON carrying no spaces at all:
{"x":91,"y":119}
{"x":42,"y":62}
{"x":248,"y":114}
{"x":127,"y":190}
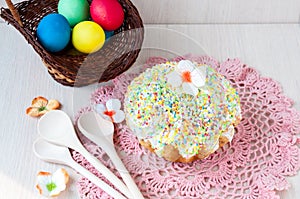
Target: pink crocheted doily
{"x":262,"y":154}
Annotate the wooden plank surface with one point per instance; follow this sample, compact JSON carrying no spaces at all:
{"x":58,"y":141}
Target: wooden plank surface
{"x":215,"y":11}
{"x":219,"y":11}
{"x":23,"y":77}
{"x":271,"y":49}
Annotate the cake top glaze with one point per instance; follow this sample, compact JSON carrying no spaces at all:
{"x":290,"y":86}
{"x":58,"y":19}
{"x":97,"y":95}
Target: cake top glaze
{"x":186,"y":105}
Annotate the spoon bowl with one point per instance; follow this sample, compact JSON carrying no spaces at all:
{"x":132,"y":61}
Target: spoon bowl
{"x":51,"y":153}
{"x":100,"y":131}
{"x":57,"y":128}
{"x":93,"y":123}
{"x":59,"y":154}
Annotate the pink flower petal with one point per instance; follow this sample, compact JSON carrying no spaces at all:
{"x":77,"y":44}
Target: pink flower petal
{"x":113,"y":104}
{"x":185,"y":65}
{"x":43,"y":179}
{"x":118,"y":117}
{"x":190,"y":89}
{"x":61,"y":178}
{"x":100,"y":108}
{"x":174,"y":79}
{"x":199,"y":77}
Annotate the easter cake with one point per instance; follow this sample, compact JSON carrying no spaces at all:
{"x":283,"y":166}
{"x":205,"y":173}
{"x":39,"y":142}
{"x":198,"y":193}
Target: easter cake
{"x":182,"y":111}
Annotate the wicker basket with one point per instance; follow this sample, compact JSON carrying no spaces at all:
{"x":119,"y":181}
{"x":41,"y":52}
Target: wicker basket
{"x":70,"y":67}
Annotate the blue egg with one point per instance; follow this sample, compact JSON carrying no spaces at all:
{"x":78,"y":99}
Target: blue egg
{"x":54,"y":32}
{"x":108,"y":34}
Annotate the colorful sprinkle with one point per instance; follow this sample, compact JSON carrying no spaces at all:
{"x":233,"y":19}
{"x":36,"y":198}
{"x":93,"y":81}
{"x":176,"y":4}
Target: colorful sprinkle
{"x":190,"y":123}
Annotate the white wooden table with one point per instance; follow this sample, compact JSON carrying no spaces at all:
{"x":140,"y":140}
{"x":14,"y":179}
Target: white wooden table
{"x":265,"y":36}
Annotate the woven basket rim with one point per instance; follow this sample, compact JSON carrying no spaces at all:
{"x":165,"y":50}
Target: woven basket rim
{"x":68,"y":75}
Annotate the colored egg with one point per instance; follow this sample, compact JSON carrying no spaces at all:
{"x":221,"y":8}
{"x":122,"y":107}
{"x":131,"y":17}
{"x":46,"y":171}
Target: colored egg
{"x":53,"y":32}
{"x":88,"y":37}
{"x":108,"y":34}
{"x":75,"y":11}
{"x":108,"y":14}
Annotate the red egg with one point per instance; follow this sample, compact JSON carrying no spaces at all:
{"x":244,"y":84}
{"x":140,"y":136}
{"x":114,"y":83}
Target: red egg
{"x":108,"y":14}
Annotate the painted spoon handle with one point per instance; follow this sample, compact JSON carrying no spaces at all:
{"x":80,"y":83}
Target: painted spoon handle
{"x":97,"y":181}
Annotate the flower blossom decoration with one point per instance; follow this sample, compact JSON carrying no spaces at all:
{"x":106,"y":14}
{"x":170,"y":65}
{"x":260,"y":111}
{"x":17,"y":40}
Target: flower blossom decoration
{"x":40,"y":106}
{"x":188,"y":77}
{"x":111,"y":111}
{"x":52,"y":184}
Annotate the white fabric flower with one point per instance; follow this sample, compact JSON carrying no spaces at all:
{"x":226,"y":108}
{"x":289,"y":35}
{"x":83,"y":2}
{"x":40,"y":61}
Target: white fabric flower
{"x":187,"y":76}
{"x":111,"y":111}
{"x":52,"y":185}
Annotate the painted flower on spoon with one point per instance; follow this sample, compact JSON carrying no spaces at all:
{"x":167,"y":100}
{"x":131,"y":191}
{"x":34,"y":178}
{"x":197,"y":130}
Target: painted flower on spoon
{"x":40,"y":106}
{"x":52,"y":184}
{"x":111,"y":111}
{"x":187,"y":77}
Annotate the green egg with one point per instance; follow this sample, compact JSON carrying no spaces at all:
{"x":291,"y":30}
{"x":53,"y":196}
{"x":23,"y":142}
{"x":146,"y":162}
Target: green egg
{"x":75,"y":11}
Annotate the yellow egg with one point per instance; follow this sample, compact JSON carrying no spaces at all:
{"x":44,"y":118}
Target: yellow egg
{"x":88,"y":37}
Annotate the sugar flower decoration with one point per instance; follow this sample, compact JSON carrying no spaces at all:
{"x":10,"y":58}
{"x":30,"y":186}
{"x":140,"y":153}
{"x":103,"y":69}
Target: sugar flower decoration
{"x":40,"y":105}
{"x":52,"y":185}
{"x":111,"y":111}
{"x":188,"y":77}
